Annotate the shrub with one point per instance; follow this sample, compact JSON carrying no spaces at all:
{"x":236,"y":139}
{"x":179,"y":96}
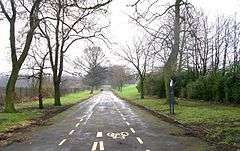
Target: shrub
{"x":209,"y":88}
{"x":154,"y":85}
{"x":212,"y":87}
{"x":181,"y":80}
{"x":232,"y":87}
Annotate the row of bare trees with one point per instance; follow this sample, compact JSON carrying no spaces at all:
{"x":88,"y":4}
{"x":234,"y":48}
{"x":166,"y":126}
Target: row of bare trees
{"x":56,"y":23}
{"x":181,"y":38}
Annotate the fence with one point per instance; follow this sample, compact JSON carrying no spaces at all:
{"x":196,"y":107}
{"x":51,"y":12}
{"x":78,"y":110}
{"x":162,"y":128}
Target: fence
{"x":26,"y":94}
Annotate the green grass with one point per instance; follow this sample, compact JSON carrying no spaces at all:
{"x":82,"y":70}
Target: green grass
{"x":29,"y":110}
{"x":222,"y":122}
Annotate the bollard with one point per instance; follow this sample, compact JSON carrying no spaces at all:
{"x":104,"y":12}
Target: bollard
{"x":171,"y":97}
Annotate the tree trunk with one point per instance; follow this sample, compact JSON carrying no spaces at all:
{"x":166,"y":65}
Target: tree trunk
{"x":182,"y":49}
{"x":166,"y":82}
{"x":40,"y":96}
{"x":121,"y":86}
{"x":141,"y":88}
{"x":171,"y":63}
{"x":10,"y":92}
{"x":224,"y":59}
{"x":40,"y":99}
{"x":92,"y":89}
{"x":57,"y":93}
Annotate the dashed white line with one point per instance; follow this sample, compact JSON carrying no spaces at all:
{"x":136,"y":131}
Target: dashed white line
{"x":124,"y":118}
{"x":99,"y":134}
{"x":81,"y":120}
{"x":147,"y":149}
{"x":139,"y":140}
{"x":94,"y":147}
{"x":121,"y":114}
{"x":64,"y":140}
{"x":133,"y":131}
{"x":77,"y":125}
{"x":127,"y":123}
{"x":101,"y":145}
{"x":72,"y":131}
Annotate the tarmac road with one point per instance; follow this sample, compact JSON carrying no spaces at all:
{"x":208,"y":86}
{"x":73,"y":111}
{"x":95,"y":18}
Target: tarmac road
{"x":107,"y":123}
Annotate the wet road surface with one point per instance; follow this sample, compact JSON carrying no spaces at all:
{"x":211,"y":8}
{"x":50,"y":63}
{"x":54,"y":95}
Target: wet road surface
{"x":107,"y":123}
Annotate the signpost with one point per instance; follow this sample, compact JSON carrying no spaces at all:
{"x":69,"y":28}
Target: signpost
{"x":171,"y":97}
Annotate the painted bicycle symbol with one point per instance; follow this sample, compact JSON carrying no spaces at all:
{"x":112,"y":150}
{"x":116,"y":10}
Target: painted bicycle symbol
{"x":121,"y":135}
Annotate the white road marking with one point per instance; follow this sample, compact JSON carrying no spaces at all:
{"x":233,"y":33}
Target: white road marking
{"x":101,"y":145}
{"x":133,"y":131}
{"x":72,"y":131}
{"x":147,"y":149}
{"x":127,"y":123}
{"x":88,"y":117}
{"x":139,"y":140}
{"x":124,"y":118}
{"x":62,"y":142}
{"x":94,"y":147}
{"x":121,"y":114}
{"x":77,"y":125}
{"x":99,"y":134}
{"x":81,"y":120}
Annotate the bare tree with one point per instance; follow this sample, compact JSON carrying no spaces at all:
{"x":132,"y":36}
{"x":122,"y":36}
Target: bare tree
{"x":170,"y":66}
{"x":138,"y":56}
{"x":118,"y":76}
{"x":227,"y":38}
{"x":148,"y":16}
{"x":236,"y":37}
{"x":67,"y":22}
{"x":37,"y":63}
{"x":90,"y":65}
{"x":10,"y":9}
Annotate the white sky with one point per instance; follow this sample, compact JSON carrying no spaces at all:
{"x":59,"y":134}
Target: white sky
{"x":121,"y":30}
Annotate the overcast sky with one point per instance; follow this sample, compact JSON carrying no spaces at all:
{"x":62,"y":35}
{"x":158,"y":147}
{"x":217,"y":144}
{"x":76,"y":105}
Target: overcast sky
{"x":121,"y":30}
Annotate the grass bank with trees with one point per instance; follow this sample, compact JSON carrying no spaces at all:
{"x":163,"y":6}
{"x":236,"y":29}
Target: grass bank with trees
{"x":220,"y":122}
{"x":29,"y":112}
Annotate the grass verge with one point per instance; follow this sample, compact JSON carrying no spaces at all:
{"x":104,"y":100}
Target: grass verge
{"x":220,"y":122}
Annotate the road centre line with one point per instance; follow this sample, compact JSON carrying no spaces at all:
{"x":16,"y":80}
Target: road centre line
{"x":72,"y":131}
{"x":133,"y":131}
{"x":64,"y":140}
{"x":127,"y":123}
{"x":77,"y":125}
{"x":81,"y":120}
{"x":139,"y":140}
{"x":99,"y":134}
{"x":147,"y":149}
{"x":124,"y":118}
